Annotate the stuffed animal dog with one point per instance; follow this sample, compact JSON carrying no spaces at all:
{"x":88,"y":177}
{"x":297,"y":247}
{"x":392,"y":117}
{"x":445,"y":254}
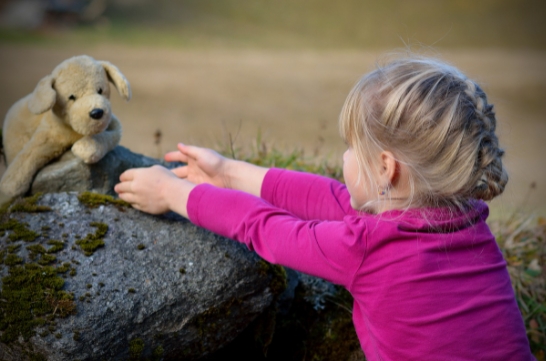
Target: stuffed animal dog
{"x":68,"y":109}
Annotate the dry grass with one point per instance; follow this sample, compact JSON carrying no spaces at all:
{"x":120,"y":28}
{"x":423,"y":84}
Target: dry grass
{"x":522,"y":239}
{"x":263,"y":154}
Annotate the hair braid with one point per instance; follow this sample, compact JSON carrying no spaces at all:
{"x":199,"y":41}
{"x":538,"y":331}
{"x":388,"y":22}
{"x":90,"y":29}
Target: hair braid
{"x":490,"y":177}
{"x":436,"y":122}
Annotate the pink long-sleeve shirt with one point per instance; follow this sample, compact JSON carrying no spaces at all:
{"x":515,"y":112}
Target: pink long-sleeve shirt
{"x":427,"y":284}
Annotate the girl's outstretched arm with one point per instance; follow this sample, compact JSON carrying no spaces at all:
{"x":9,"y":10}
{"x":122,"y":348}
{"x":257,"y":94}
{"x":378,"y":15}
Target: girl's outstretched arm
{"x":154,"y":190}
{"x":306,"y":195}
{"x":207,"y":166}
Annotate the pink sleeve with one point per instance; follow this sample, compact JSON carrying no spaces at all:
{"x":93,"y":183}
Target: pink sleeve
{"x":328,"y":249}
{"x":306,"y":195}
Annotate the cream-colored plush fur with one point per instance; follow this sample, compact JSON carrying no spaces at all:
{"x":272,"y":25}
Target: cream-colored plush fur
{"x":68,"y":109}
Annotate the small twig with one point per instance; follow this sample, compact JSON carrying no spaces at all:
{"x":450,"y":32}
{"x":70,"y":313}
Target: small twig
{"x":339,"y":304}
{"x":509,"y":243}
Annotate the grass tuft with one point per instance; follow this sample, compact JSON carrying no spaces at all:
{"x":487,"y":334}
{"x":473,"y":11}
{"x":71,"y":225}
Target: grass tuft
{"x":522,"y":239}
{"x":264,"y":154}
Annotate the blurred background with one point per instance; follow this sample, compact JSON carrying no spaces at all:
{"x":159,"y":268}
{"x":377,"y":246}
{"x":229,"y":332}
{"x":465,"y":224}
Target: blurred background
{"x":215,"y":72}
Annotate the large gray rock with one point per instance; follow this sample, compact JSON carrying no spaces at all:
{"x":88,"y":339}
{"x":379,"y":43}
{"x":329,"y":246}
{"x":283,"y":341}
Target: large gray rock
{"x":69,"y":173}
{"x":159,"y":288}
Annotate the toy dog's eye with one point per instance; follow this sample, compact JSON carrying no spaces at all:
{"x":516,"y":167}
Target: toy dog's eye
{"x":72,"y":97}
{"x":100,"y":91}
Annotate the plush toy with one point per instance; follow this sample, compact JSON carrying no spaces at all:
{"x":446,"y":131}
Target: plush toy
{"x":68,"y":109}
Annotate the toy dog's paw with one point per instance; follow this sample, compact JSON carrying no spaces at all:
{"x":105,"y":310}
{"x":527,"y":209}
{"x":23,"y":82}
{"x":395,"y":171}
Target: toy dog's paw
{"x":11,"y":187}
{"x":88,"y":150}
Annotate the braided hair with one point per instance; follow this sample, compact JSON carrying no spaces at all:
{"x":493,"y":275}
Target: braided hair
{"x":490,"y":178}
{"x":436,"y":122}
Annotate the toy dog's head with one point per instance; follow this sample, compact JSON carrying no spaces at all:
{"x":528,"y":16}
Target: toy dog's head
{"x":78,"y":92}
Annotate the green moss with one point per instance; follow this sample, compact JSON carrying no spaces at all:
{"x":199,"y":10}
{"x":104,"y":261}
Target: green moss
{"x":46,"y":259}
{"x":35,"y":250}
{"x":89,"y":285}
{"x":43,"y":256}
{"x":12,"y":260}
{"x":58,"y":335}
{"x":64,"y":268}
{"x":30,"y":294}
{"x":182,"y":270}
{"x":93,"y":241}
{"x":131,"y":290}
{"x":37,"y":357}
{"x":57,"y":246}
{"x":77,"y":336}
{"x":19,"y":230}
{"x":140,"y":247}
{"x":14,"y":248}
{"x":28,"y":205}
{"x":94,"y":200}
{"x":278,"y":280}
{"x":157,"y":353}
{"x":136,"y":347}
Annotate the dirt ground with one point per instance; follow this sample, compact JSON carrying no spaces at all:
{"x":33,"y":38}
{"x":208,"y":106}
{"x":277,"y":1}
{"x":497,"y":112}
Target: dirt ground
{"x":292,"y":97}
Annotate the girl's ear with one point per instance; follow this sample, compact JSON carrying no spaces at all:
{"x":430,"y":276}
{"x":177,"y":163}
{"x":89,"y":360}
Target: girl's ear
{"x":389,"y":170}
{"x":43,"y":97}
{"x":118,"y":79}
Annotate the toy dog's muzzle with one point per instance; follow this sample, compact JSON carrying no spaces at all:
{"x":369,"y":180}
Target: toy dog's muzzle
{"x":90,"y":115}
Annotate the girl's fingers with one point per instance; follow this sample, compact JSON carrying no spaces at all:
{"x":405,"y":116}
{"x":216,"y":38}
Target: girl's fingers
{"x":122,"y":187}
{"x":181,"y":172}
{"x":184,"y":154}
{"x":128,"y":175}
{"x":176,"y":156}
{"x":189,"y":150}
{"x":127,"y":197}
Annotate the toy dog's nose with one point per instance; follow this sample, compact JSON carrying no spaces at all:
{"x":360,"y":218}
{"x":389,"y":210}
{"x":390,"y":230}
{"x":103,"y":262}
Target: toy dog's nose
{"x":96,"y":113}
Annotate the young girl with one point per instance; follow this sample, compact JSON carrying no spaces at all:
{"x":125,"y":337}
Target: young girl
{"x":406,"y":234}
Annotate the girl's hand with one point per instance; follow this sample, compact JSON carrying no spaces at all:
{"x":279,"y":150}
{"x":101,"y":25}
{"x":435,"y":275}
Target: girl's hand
{"x":154,"y":190}
{"x":204,"y":165}
{"x":207,"y":166}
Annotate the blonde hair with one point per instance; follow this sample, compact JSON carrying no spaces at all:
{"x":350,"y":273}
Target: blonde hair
{"x":436,"y":122}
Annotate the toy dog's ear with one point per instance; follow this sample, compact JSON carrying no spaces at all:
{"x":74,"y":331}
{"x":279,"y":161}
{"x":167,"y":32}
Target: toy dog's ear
{"x":118,"y":79}
{"x":43,"y":97}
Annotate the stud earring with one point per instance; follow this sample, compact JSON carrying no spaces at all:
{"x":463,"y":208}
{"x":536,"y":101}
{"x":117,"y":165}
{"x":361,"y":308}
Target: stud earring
{"x":381,"y":192}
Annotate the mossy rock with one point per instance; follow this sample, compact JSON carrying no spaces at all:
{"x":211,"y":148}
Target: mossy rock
{"x":85,"y":282}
